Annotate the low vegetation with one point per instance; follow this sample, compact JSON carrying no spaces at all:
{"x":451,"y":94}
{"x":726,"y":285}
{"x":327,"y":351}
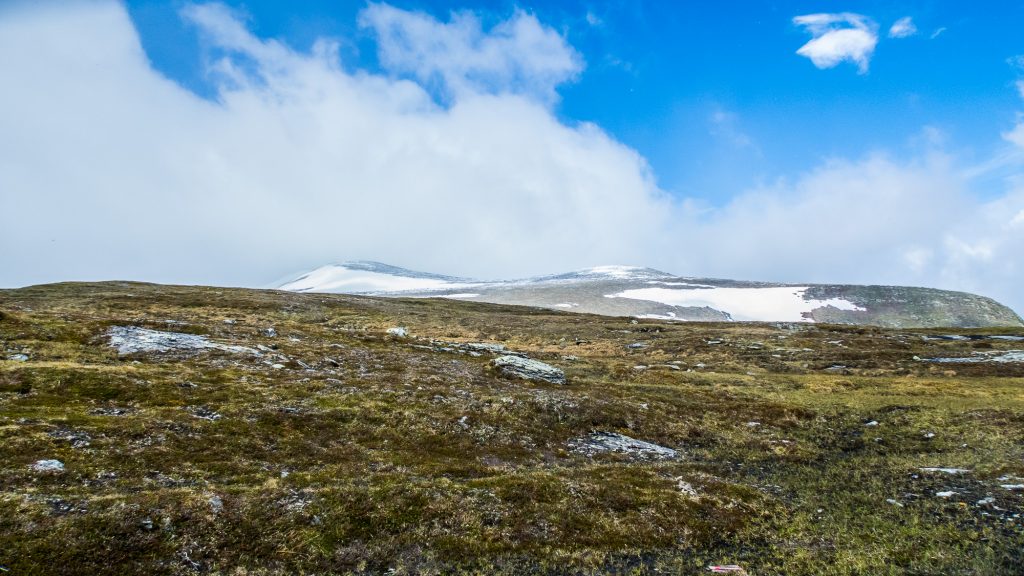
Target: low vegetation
{"x":345,"y":449}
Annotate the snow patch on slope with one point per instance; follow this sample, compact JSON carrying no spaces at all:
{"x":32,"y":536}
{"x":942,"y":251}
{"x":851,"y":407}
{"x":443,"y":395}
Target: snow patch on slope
{"x":776,"y":304}
{"x":340,"y":279}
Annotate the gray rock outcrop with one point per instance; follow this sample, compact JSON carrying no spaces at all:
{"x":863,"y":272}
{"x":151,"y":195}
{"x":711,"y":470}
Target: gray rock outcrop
{"x":529,"y":369}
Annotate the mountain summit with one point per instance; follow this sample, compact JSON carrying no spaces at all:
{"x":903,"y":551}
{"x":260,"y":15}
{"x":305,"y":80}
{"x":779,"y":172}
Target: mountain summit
{"x":649,"y":293}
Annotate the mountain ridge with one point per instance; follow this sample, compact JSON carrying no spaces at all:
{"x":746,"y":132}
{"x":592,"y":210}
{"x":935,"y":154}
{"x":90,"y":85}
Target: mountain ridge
{"x":649,"y":293}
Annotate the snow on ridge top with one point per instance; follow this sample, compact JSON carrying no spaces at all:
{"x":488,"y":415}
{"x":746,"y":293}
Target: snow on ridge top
{"x":771,"y":304}
{"x":614,"y":271}
{"x":357,"y":279}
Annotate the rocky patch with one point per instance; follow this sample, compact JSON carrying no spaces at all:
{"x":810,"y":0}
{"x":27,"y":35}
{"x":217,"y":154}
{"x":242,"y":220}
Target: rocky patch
{"x":528,"y":369}
{"x":605,"y":442}
{"x":132,"y":340}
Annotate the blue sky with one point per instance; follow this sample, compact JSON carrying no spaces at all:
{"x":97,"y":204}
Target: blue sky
{"x":713,"y":94}
{"x":232,"y":143}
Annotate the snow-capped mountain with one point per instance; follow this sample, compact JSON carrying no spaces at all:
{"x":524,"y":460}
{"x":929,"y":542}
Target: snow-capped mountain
{"x":649,"y":293}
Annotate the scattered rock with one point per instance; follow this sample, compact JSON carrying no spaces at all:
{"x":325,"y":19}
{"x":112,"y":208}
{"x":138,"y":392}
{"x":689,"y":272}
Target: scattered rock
{"x":48,"y":466}
{"x":110,"y":411}
{"x":485,"y":347}
{"x":872,"y":423}
{"x":398,"y":331}
{"x":204,"y":413}
{"x":686,"y":488}
{"x":216,"y":504}
{"x":946,"y":494}
{"x":599,"y":442}
{"x":929,"y":435}
{"x":270,"y":332}
{"x":946,"y":470}
{"x":18,"y":357}
{"x":636,"y":346}
{"x":529,"y":369}
{"x":132,"y":339}
{"x":77,"y":438}
{"x":724,"y":568}
{"x":1012,"y":487}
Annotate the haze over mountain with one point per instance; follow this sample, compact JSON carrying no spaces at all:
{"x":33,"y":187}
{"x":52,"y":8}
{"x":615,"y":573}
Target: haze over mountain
{"x":649,"y":293}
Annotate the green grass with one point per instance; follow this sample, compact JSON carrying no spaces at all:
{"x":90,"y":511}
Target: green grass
{"x":361,"y":465}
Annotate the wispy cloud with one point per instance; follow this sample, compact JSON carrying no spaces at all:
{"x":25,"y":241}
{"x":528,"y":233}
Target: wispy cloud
{"x":518,"y":55}
{"x":903,"y":28}
{"x":938,"y":32}
{"x":839,"y":37}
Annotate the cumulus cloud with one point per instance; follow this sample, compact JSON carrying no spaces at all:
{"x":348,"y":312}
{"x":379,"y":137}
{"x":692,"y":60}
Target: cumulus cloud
{"x":837,"y":38}
{"x":110,"y":170}
{"x":297,"y":162}
{"x":518,"y":55}
{"x":903,"y":28}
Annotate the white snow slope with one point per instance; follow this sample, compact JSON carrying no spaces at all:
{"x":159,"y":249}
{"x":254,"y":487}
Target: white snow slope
{"x":336,"y":278}
{"x":775,"y":304}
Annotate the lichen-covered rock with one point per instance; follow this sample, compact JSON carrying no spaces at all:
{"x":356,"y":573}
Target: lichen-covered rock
{"x":398,"y":331}
{"x":600,"y":442}
{"x":529,"y":369}
{"x":132,"y":339}
{"x":48,"y":466}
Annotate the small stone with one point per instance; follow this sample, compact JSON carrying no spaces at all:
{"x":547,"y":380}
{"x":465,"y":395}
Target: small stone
{"x":277,"y":366}
{"x":204,"y":413}
{"x":216,"y":504}
{"x":398,"y":331}
{"x":872,"y":423}
{"x":270,"y":332}
{"x":18,"y":357}
{"x":945,"y":470}
{"x":686,"y":488}
{"x":946,"y":494}
{"x":929,"y":435}
{"x":48,"y":466}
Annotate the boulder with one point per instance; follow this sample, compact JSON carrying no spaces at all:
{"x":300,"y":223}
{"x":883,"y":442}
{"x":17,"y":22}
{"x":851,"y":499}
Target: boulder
{"x":602,"y":442}
{"x":529,"y":369}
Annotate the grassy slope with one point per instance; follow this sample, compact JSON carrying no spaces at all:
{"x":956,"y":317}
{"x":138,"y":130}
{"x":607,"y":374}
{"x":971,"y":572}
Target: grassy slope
{"x":360,"y":464}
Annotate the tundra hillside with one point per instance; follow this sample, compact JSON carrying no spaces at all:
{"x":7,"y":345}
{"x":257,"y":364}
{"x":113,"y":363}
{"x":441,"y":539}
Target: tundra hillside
{"x":150,"y":429}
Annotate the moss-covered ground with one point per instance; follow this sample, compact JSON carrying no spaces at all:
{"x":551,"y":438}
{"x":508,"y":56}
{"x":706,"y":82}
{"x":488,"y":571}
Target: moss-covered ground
{"x":367,"y":453}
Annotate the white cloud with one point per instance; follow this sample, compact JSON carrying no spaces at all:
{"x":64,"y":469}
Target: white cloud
{"x":110,"y":170}
{"x":518,"y":55}
{"x":938,"y":32}
{"x":1015,"y":135}
{"x":839,"y":37}
{"x":298,"y":162}
{"x":903,"y":28}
